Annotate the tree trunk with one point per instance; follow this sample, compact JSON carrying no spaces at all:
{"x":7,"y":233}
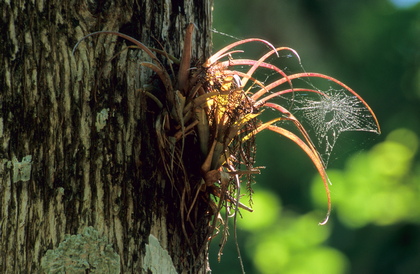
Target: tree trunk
{"x":79,"y":153}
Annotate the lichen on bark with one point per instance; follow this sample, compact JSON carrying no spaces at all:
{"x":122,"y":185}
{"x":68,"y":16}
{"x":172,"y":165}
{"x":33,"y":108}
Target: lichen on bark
{"x":81,"y":253}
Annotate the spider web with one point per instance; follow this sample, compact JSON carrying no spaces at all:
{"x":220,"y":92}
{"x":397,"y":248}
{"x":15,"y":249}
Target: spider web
{"x":330,"y":115}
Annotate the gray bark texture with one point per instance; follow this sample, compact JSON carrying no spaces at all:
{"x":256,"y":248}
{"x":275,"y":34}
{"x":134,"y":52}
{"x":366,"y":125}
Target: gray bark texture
{"x":77,"y":139}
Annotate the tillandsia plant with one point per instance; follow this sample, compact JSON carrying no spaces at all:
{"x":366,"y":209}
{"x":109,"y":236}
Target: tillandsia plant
{"x":220,"y":104}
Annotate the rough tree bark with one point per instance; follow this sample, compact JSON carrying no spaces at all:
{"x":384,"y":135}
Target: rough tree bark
{"x":77,"y":142}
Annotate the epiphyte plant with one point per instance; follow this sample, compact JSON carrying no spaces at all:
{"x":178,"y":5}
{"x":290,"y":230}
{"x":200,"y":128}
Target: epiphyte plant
{"x":220,"y":104}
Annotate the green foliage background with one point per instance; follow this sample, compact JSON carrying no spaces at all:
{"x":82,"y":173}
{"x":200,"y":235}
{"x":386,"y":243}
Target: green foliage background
{"x":374,"y":47}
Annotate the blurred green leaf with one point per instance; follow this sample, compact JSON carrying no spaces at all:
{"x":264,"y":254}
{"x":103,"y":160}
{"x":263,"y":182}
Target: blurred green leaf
{"x":375,"y":186}
{"x":267,"y":209}
{"x":295,"y":245}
